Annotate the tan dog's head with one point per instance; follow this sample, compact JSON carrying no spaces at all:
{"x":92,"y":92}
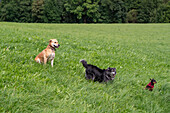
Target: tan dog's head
{"x":54,"y":43}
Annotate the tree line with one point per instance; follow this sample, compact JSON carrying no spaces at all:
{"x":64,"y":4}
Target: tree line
{"x":85,"y":11}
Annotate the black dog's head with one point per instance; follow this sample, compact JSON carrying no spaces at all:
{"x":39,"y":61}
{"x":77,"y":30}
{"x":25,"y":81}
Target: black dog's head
{"x":153,"y":81}
{"x":110,"y":73}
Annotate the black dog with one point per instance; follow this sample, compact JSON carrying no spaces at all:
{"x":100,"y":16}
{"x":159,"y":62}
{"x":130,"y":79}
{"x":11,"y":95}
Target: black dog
{"x":150,"y":86}
{"x":96,"y":74}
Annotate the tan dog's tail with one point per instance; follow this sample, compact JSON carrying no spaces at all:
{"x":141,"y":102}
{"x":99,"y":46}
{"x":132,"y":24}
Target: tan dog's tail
{"x":37,"y":60}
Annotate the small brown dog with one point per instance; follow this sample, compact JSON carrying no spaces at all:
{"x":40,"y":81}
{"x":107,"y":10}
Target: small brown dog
{"x":48,"y":54}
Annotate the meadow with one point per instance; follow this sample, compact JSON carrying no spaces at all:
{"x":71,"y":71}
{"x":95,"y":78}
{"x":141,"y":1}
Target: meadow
{"x":138,"y":52}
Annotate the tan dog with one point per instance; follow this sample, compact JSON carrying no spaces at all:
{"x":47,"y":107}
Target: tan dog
{"x":48,"y":54}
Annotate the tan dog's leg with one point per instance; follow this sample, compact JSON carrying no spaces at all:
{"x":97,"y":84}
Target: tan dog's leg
{"x":45,"y":60}
{"x":38,"y":61}
{"x":52,"y":62}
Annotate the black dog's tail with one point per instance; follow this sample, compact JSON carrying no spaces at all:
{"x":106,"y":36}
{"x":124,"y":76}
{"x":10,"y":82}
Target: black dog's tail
{"x":84,"y":63}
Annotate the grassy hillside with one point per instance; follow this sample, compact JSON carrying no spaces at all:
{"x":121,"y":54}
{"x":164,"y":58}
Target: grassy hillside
{"x":138,"y":52}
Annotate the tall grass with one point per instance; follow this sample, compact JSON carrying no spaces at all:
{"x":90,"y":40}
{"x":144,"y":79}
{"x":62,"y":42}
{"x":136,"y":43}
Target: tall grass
{"x":138,"y":52}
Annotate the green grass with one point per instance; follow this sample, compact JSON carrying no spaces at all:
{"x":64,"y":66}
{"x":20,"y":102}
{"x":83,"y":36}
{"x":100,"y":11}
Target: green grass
{"x":138,"y":52}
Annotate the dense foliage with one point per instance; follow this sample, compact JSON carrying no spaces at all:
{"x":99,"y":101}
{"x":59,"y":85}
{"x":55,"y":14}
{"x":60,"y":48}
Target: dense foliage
{"x":85,"y":11}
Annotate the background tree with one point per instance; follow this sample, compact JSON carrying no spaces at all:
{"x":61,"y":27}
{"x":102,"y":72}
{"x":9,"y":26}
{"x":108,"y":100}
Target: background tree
{"x":9,"y":10}
{"x":131,"y":16}
{"x":68,"y":15}
{"x":147,"y":13}
{"x":53,"y":11}
{"x":25,"y":11}
{"x":115,"y":11}
{"x":38,"y":11}
{"x":164,"y":12}
{"x":104,"y":12}
{"x":85,"y":10}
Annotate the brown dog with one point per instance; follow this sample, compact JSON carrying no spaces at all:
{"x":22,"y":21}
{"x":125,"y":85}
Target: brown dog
{"x":48,"y":54}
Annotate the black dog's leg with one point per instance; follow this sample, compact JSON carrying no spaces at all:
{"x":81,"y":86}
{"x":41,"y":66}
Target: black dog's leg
{"x":93,"y":77}
{"x":88,"y":75}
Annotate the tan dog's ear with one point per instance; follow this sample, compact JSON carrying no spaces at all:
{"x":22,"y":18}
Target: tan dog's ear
{"x":50,"y":40}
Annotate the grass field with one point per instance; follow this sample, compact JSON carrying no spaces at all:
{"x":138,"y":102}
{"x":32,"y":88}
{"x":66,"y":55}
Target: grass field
{"x":138,"y":52}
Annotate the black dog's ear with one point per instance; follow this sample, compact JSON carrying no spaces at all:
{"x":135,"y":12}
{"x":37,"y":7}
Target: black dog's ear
{"x":108,"y":68}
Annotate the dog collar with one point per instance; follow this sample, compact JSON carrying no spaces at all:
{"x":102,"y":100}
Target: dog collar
{"x":52,"y":48}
